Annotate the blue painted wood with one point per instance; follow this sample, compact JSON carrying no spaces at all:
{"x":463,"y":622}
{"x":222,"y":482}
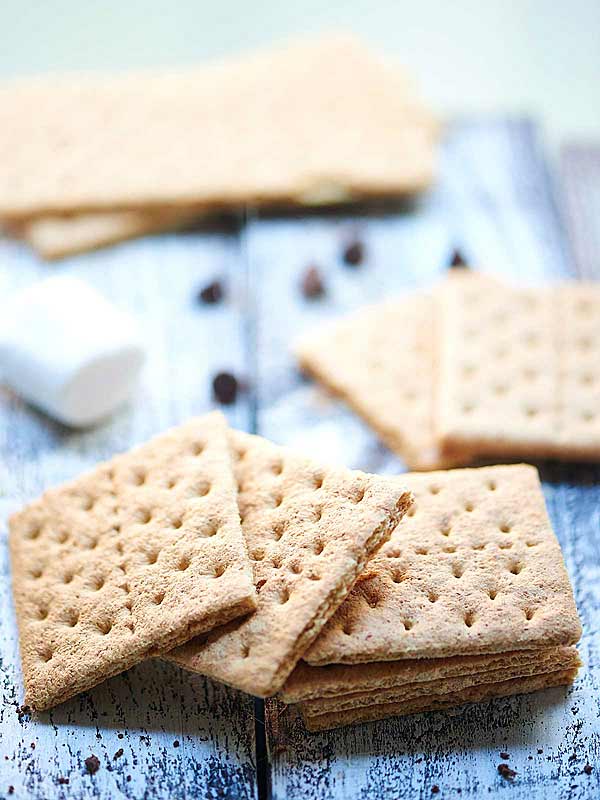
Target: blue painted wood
{"x":157,"y":731}
{"x":495,"y":202}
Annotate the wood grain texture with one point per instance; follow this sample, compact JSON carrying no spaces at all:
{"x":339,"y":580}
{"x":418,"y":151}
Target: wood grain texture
{"x":157,"y":731}
{"x":495,"y":203}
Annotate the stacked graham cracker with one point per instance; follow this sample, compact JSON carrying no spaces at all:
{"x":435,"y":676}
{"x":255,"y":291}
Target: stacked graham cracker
{"x":310,"y":123}
{"x":235,"y":558}
{"x":486,"y":371}
{"x":469,"y":600}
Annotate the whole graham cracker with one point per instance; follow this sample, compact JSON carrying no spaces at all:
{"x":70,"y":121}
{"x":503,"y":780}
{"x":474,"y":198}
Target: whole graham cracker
{"x":128,"y":560}
{"x":473,"y":568}
{"x":355,"y":358}
{"x":54,"y":237}
{"x":439,"y":688}
{"x":518,"y":369}
{"x":310,"y":531}
{"x":476,"y":694}
{"x":335,"y":680}
{"x":219,"y":135}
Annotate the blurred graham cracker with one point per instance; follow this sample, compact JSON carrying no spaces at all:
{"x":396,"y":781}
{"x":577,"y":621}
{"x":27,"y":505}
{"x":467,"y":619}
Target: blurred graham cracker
{"x":392,"y":389}
{"x":54,"y":237}
{"x":473,"y":568}
{"x":518,"y":370}
{"x":220,"y":135}
{"x":335,"y":680}
{"x":477,"y":694}
{"x":562,"y":659}
{"x":128,"y":560}
{"x":309,"y":531}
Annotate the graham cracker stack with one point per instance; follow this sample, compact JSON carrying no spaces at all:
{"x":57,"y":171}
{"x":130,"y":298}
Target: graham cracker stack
{"x":214,"y":137}
{"x":470,"y":599}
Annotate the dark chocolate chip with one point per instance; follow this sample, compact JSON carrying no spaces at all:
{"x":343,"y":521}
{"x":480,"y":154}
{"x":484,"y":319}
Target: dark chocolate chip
{"x":354,"y":253}
{"x":11,"y":789}
{"x":540,"y":751}
{"x":120,"y":735}
{"x":506,"y":772}
{"x":225,"y":388}
{"x":588,"y":769}
{"x":212,"y":293}
{"x":312,"y":285}
{"x":435,"y":789}
{"x":505,"y":756}
{"x":92,"y":764}
{"x":118,"y":754}
{"x":63,"y":781}
{"x":176,"y":743}
{"x":457,"y":260}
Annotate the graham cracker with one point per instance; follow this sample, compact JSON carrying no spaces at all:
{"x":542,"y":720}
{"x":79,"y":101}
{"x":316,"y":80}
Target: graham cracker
{"x":355,"y":359}
{"x":54,"y":237}
{"x":473,"y":568}
{"x":334,"y":680}
{"x":310,"y":531}
{"x":129,"y":560}
{"x":219,"y":135}
{"x":439,"y":688}
{"x":476,"y":694}
{"x":518,"y":369}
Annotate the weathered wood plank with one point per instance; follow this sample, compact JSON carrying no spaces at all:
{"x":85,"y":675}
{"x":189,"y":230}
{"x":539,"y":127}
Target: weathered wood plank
{"x":495,"y":203}
{"x":158,"y":732}
{"x":580,"y":172}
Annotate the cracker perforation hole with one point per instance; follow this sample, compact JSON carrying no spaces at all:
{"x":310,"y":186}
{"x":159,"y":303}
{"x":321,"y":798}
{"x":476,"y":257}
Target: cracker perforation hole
{"x":532,"y":544}
{"x":450,"y":549}
{"x":219,"y":570}
{"x":318,"y":481}
{"x":211,"y":529}
{"x":347,"y":629}
{"x":505,"y":527}
{"x":397,"y":576}
{"x":87,"y":503}
{"x":469,"y":619}
{"x":197,"y":448}
{"x":500,"y":389}
{"x":119,"y":548}
{"x":445,"y":531}
{"x":45,"y":654}
{"x":492,"y":594}
{"x":407,"y":624}
{"x":394,"y":552}
{"x":42,"y":612}
{"x":152,"y":557}
{"x":296,"y":567}
{"x":515,"y":568}
{"x":67,"y":576}
{"x":278,"y":530}
{"x":492,"y":486}
{"x":277,"y":499}
{"x":469,"y":507}
{"x":433,"y":597}
{"x":33,"y":531}
{"x":529,"y":612}
{"x":421,"y":551}
{"x":434,"y":489}
{"x":91,"y":544}
{"x":458,"y":570}
{"x":70,"y":618}
{"x":276,"y":561}
{"x":505,"y":545}
{"x":478,"y":547}
{"x":158,"y":598}
{"x":183,"y":563}
{"x":314,"y":576}
{"x":258,"y":554}
{"x":177,"y":523}
{"x":171,"y":483}
{"x":144,"y":516}
{"x":284,"y":595}
{"x":318,"y":547}
{"x":531,"y":412}
{"x":61,"y":537}
{"x":104,"y":626}
{"x":139,"y":477}
{"x":245,"y":651}
{"x":358,"y":495}
{"x":202,"y":489}
{"x":317,"y":513}
{"x":277,"y":468}
{"x":95,"y":583}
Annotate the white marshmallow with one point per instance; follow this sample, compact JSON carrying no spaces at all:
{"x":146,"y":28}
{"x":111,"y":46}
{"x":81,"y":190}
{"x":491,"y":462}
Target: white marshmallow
{"x":67,"y":350}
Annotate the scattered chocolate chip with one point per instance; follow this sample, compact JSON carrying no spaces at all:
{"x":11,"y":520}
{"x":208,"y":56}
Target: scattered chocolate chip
{"x":225,"y":388}
{"x":176,"y":743}
{"x":11,"y":789}
{"x":505,"y":756}
{"x":588,"y":769}
{"x":120,"y":735}
{"x":118,"y":754}
{"x":260,"y":584}
{"x":33,"y":745}
{"x":354,"y":253}
{"x":63,"y":781}
{"x":92,"y":764}
{"x":23,"y":713}
{"x":540,"y":751}
{"x":435,"y":789}
{"x":312,"y":284}
{"x":506,"y":772}
{"x":212,"y":293}
{"x":457,"y":260}
{"x":128,"y":778}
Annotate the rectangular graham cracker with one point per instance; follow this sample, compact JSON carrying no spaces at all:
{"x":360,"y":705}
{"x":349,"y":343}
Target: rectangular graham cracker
{"x":518,"y":369}
{"x":310,"y":531}
{"x":473,"y":568}
{"x":476,"y":694}
{"x":335,"y":680}
{"x":129,"y":560}
{"x":219,"y":135}
{"x":562,"y":659}
{"x":54,"y":237}
{"x":356,"y":358}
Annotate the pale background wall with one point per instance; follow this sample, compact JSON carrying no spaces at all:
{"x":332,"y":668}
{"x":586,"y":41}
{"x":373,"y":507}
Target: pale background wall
{"x":534,"y":56}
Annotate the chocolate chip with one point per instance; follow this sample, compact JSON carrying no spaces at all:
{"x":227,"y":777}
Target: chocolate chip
{"x":92,"y":764}
{"x":176,"y":743}
{"x":225,"y":388}
{"x":435,"y":789}
{"x":63,"y":781}
{"x":588,"y":769}
{"x":312,"y":285}
{"x":505,"y":756}
{"x":540,"y":751}
{"x":457,"y":260}
{"x":506,"y":772}
{"x":354,"y":253}
{"x":11,"y":789}
{"x":118,"y":754}
{"x":212,"y":293}
{"x":260,"y":584}
{"x":23,"y":713}
{"x":120,"y":735}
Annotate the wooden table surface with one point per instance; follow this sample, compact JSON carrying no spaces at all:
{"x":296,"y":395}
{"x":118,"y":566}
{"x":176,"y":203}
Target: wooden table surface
{"x":160,"y":732}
